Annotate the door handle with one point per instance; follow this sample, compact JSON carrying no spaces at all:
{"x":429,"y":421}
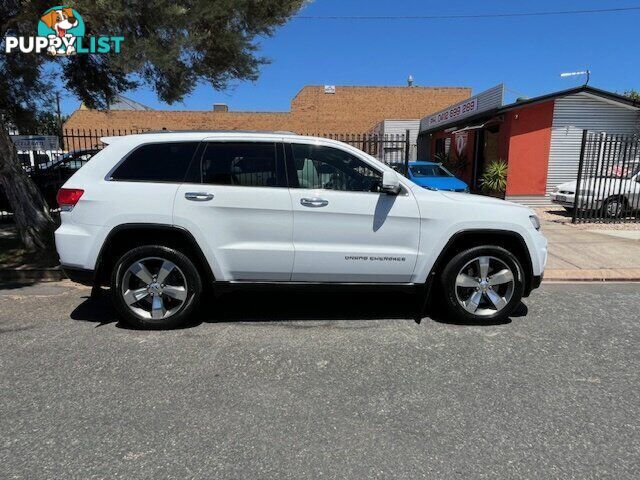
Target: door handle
{"x":314,"y":202}
{"x":198,"y":196}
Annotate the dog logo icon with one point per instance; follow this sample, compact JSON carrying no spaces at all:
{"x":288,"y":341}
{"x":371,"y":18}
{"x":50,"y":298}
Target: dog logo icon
{"x":64,"y":23}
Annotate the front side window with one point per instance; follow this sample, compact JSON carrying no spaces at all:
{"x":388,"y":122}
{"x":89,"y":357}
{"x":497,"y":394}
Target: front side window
{"x":320,"y":167}
{"x":157,"y":162}
{"x":243,"y":164}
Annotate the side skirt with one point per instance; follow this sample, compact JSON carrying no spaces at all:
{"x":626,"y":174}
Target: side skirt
{"x":315,"y":286}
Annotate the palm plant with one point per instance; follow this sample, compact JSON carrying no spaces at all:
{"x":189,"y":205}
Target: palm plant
{"x":494,"y":178}
{"x":454,"y":163}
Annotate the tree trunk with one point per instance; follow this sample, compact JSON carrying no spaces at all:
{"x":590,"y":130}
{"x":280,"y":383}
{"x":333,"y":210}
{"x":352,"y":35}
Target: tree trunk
{"x":30,"y":212}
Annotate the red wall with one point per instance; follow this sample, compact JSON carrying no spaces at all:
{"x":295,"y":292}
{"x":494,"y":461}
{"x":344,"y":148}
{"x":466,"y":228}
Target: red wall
{"x":529,"y":142}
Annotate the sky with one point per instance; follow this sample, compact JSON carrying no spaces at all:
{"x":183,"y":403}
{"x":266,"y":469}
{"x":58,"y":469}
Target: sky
{"x":527,"y":54}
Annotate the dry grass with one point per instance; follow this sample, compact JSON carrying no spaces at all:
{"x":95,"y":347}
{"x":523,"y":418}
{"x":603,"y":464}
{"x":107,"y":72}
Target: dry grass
{"x":12,"y":255}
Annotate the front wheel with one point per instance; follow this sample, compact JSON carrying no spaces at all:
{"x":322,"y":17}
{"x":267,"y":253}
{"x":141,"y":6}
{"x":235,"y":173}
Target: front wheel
{"x":482,"y":284}
{"x":155,"y":287}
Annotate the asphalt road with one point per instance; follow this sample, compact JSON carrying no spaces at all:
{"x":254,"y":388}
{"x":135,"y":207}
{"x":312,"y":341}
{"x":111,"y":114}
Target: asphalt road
{"x":265,"y":389}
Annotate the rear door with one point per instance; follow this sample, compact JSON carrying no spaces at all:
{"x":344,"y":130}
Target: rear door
{"x":237,"y":204}
{"x":344,"y":230}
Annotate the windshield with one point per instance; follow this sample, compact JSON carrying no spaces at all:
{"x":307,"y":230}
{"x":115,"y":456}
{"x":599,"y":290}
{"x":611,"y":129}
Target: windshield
{"x":429,"y":171}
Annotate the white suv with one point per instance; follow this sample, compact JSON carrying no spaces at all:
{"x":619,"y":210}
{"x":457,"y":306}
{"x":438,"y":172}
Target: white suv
{"x":159,"y":217}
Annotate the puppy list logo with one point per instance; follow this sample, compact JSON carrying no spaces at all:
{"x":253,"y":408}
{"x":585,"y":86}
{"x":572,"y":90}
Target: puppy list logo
{"x":61,"y":31}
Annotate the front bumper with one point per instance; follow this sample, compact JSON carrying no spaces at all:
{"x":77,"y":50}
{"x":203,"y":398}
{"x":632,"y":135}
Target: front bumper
{"x":79,"y":275}
{"x":536,"y":281}
{"x":569,"y":200}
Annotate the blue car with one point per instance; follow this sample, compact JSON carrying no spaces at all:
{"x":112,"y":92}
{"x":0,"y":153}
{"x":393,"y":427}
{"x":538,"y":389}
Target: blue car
{"x":434,"y":176}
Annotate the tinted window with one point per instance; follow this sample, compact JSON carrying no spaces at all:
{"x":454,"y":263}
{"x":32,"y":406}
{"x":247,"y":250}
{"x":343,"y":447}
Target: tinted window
{"x":243,"y":164}
{"x":332,"y":169}
{"x":41,"y":158}
{"x":157,"y":162}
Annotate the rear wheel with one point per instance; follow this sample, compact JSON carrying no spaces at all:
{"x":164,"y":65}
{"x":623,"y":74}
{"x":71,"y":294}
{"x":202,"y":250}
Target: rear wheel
{"x":155,"y":287}
{"x":613,"y":207}
{"x":482,"y":284}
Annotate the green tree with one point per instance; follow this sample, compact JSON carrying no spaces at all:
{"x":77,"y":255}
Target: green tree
{"x":633,"y":94}
{"x":170,"y":46}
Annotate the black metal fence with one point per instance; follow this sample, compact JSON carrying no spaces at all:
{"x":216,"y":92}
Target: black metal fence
{"x":608,"y":183}
{"x":50,"y":164}
{"x":50,"y":167}
{"x":394,"y":150}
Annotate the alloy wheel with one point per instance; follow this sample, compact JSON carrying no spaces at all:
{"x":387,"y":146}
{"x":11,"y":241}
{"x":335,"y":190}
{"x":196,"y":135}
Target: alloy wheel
{"x":154,"y":288}
{"x":614,"y":208}
{"x":484,"y":286}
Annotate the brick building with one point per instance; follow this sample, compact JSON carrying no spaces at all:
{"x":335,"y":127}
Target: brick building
{"x":348,"y":110}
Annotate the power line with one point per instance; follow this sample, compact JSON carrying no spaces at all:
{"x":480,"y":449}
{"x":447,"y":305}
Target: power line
{"x":451,"y":17}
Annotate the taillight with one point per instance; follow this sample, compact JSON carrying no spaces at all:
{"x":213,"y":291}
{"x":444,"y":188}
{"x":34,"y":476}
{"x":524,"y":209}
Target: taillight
{"x":68,"y":197}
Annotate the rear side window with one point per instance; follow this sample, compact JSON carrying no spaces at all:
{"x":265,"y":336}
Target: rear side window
{"x":157,"y":162}
{"x":244,"y":164}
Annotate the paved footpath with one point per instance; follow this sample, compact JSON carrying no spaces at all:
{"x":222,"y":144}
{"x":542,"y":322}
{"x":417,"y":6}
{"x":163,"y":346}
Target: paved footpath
{"x":581,"y":255}
{"x":321,"y":387}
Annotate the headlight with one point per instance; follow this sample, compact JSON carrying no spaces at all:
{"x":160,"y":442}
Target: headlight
{"x":535,"y":221}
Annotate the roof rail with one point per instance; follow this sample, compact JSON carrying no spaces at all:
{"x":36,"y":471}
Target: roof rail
{"x":278,"y":132}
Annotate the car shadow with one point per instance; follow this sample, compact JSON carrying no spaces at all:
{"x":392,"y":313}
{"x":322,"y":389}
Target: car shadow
{"x":521,"y":311}
{"x":16,"y":285}
{"x":262,"y":307}
{"x":97,"y":309}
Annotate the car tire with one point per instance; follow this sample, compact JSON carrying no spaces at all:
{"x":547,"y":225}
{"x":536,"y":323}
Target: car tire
{"x":155,"y":287}
{"x":482,"y":284}
{"x":614,"y":207}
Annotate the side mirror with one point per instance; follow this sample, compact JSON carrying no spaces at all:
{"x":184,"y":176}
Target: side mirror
{"x":390,"y":183}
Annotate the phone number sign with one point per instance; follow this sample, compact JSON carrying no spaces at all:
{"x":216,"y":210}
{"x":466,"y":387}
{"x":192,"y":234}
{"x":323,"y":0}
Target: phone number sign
{"x":459,"y":110}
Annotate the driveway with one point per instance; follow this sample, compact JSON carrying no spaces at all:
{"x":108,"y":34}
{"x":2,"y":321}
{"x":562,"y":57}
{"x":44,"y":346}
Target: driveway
{"x":321,"y":386}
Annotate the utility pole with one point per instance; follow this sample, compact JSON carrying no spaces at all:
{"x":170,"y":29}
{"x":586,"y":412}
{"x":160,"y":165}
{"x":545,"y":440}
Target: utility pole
{"x":58,"y":112}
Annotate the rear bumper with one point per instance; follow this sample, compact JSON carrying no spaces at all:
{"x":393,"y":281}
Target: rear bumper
{"x":79,"y":275}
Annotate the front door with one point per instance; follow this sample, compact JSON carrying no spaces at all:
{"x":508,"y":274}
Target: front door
{"x":344,"y":230}
{"x":239,"y":205}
